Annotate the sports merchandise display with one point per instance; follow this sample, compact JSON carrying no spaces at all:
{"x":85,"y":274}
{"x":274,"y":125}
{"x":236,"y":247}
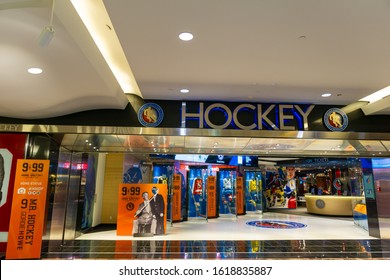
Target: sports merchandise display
{"x":163,"y":174}
{"x":253,"y":190}
{"x":197,"y":177}
{"x":227,"y":180}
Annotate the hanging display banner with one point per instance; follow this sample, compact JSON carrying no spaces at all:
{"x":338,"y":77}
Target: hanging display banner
{"x":28,"y":209}
{"x":176,"y":199}
{"x":240,"y":195}
{"x":142,"y":209}
{"x":211,"y":197}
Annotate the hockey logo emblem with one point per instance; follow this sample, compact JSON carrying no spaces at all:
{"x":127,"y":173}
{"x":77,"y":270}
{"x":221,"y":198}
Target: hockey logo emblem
{"x":275,"y":224}
{"x":335,"y":119}
{"x":150,"y":115}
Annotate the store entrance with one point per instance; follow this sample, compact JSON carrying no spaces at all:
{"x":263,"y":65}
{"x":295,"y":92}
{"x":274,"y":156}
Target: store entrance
{"x":208,"y":180}
{"x":273,"y":192}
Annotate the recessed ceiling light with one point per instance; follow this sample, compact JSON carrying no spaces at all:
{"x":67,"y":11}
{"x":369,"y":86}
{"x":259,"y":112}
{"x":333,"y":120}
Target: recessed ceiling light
{"x":184,"y":90}
{"x":326,"y":94}
{"x":186,"y":36}
{"x":34,"y":70}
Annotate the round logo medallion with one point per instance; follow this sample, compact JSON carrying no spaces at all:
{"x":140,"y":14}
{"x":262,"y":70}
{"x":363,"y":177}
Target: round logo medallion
{"x":275,"y":224}
{"x":150,"y":115}
{"x":320,"y":203}
{"x":335,"y":119}
{"x":130,"y":206}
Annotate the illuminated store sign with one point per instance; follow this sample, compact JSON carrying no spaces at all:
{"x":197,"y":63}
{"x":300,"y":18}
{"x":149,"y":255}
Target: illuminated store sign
{"x":272,"y":117}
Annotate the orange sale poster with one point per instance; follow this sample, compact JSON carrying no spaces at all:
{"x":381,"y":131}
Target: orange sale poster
{"x":143,"y":206}
{"x":28,"y":209}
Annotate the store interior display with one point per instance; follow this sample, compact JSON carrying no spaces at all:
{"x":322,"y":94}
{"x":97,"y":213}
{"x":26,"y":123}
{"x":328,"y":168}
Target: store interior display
{"x":253,"y":191}
{"x":286,"y":185}
{"x":163,"y":174}
{"x":197,"y":177}
{"x":227,"y":191}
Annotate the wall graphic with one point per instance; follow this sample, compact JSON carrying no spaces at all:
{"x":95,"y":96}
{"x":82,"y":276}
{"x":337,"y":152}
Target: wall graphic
{"x":135,"y":170}
{"x":280,"y":191}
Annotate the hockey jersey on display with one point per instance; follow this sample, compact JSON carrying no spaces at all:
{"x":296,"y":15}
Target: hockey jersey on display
{"x":197,"y":188}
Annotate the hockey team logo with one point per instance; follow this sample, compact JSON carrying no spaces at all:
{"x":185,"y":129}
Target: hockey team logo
{"x":150,"y":115}
{"x":335,"y":119}
{"x":276,"y":224}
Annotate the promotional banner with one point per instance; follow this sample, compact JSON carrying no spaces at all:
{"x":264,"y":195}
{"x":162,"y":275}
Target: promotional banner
{"x":28,"y":209}
{"x":142,"y":209}
{"x":211,"y":197}
{"x":240,"y":196}
{"x":176,"y":199}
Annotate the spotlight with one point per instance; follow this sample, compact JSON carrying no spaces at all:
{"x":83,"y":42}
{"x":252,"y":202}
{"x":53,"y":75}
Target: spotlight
{"x":46,"y":36}
{"x":47,"y":33}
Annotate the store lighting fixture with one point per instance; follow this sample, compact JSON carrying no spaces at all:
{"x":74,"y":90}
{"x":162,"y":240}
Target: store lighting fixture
{"x":93,"y":13}
{"x":184,"y":90}
{"x":35,"y":70}
{"x":47,"y":32}
{"x":380,"y":94}
{"x":327,"y":94}
{"x":186,"y":36}
{"x":46,"y":36}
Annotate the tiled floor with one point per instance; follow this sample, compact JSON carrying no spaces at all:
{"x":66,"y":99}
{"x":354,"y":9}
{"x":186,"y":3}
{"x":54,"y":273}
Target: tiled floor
{"x":231,"y":227}
{"x":230,"y":237}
